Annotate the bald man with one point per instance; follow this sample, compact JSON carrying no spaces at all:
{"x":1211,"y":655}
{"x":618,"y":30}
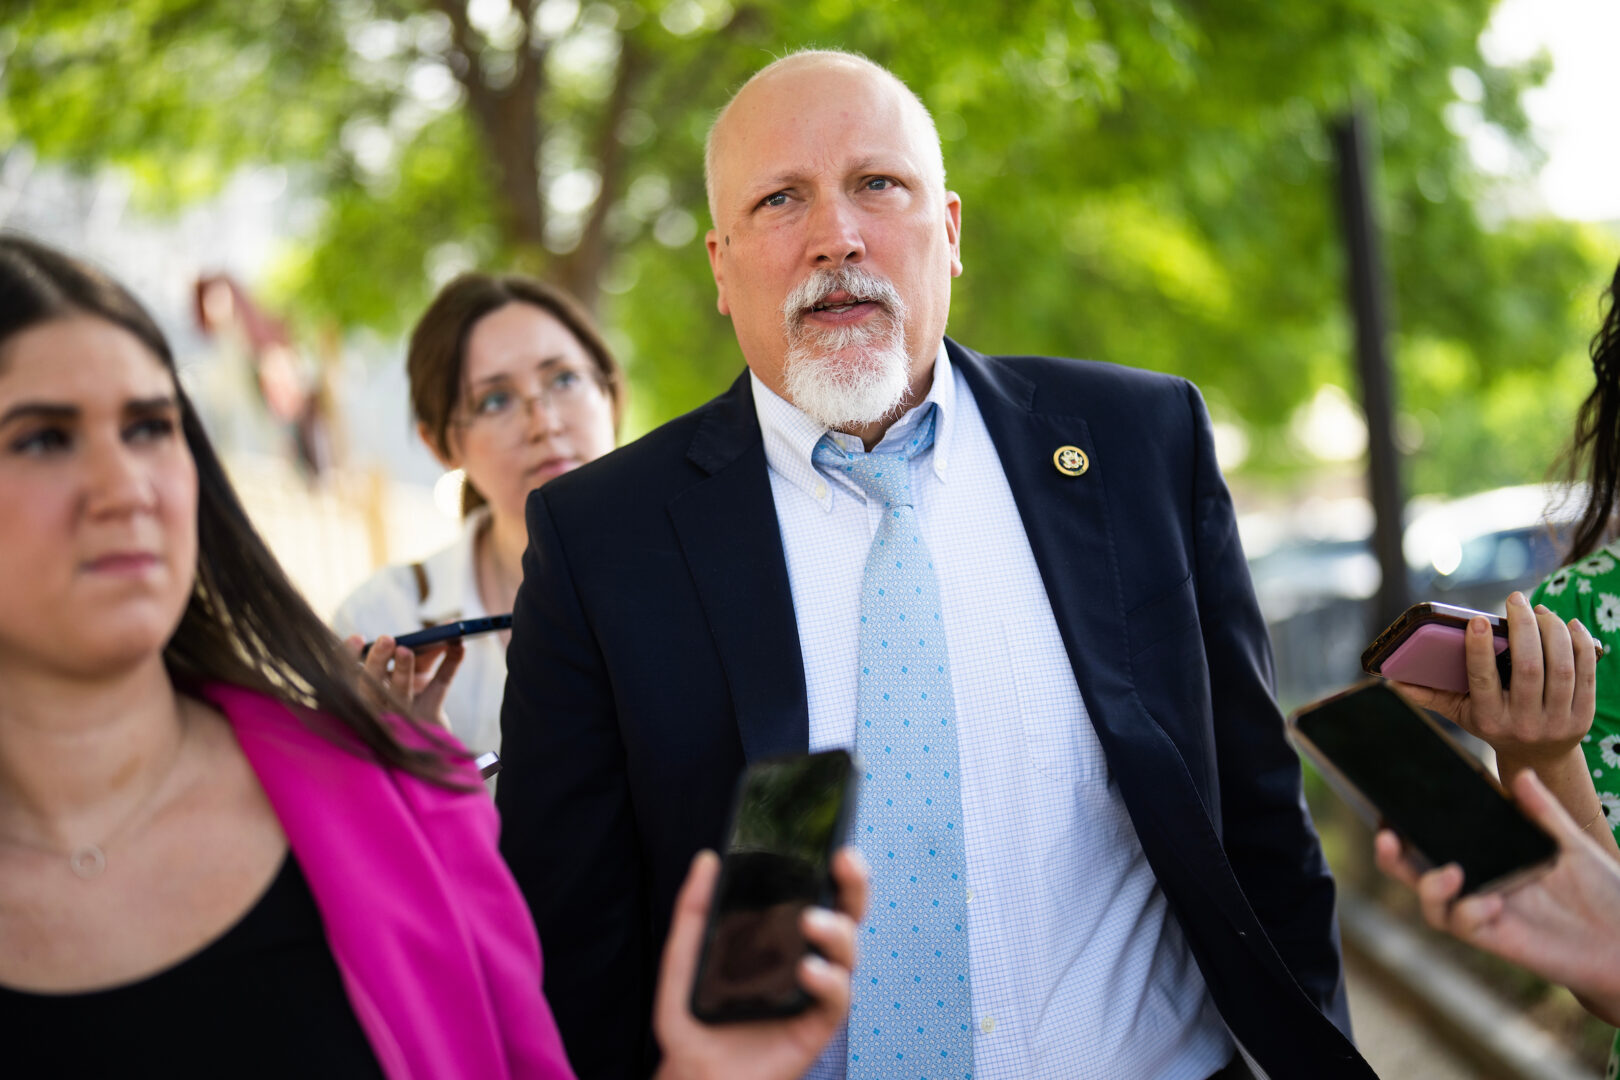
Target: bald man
{"x":1090,"y":855}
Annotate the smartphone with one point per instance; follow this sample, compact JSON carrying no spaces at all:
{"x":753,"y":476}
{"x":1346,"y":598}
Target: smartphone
{"x":789,"y":816}
{"x":488,"y":764}
{"x":450,"y":631}
{"x":1398,"y":769}
{"x":1425,"y":647}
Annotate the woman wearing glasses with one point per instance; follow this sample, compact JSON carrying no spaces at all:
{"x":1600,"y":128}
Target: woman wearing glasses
{"x":512,"y":384}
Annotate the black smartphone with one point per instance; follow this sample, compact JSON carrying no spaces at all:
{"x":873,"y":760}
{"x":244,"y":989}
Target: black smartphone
{"x":450,"y":631}
{"x":789,"y":816}
{"x":1392,"y":763}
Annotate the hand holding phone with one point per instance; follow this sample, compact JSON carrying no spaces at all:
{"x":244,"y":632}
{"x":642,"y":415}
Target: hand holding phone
{"x":773,"y":1049}
{"x":1426,"y":646}
{"x":1537,"y":719}
{"x":789,"y":816}
{"x":1561,"y":926}
{"x":420,"y":680}
{"x":1395,"y":766}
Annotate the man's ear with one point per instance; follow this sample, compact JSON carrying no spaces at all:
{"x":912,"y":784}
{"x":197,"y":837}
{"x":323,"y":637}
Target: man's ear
{"x":450,"y":460}
{"x":712,"y":242}
{"x":953,"y":230}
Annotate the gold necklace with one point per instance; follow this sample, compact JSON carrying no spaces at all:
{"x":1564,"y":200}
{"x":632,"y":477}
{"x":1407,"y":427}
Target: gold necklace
{"x":89,"y":860}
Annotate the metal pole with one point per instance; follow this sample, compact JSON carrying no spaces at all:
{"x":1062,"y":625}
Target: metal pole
{"x":1357,"y":167}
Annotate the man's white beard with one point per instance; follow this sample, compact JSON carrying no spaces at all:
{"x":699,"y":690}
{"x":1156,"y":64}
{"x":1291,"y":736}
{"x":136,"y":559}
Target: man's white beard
{"x":847,"y":375}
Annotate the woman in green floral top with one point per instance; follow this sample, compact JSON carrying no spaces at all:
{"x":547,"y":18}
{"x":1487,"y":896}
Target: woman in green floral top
{"x":1589,"y":590}
{"x":1554,"y":719}
{"x":1557,"y":719}
{"x":1588,"y":587}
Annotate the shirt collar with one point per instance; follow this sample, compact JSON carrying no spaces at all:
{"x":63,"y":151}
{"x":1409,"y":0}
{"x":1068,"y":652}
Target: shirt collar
{"x":791,"y":436}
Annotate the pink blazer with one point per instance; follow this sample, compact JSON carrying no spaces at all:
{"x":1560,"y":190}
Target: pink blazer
{"x":434,"y":942}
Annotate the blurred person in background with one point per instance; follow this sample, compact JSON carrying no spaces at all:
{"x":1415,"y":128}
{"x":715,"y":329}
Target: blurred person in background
{"x":220,"y":853}
{"x":512,"y":384}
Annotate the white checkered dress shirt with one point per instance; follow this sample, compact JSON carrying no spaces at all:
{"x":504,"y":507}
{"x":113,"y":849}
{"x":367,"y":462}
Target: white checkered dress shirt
{"x":1078,"y":968}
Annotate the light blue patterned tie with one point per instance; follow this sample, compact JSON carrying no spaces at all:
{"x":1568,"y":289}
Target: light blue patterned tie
{"x":912,"y":1010}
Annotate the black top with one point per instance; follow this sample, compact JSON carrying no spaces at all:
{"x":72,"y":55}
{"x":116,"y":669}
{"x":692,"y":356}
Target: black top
{"x":263,"y":1000}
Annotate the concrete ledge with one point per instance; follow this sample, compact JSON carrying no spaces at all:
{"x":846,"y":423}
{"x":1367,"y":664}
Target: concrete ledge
{"x":1474,"y":1022}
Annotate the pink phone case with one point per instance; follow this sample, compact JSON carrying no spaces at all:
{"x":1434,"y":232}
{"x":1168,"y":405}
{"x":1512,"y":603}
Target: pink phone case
{"x":1433,"y":656}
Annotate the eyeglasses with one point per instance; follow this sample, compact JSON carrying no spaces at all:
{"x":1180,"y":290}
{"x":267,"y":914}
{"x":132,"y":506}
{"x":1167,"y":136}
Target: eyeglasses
{"x":501,"y":406}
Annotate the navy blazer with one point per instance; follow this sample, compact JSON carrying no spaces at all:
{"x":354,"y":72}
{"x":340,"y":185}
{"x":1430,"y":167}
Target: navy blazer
{"x":654,"y":653}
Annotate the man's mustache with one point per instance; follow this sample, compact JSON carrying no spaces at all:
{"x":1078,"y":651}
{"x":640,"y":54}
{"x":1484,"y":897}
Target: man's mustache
{"x":862,"y":286}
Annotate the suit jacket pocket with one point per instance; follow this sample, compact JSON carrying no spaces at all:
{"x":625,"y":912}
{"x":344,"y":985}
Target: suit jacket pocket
{"x":1170,"y":611}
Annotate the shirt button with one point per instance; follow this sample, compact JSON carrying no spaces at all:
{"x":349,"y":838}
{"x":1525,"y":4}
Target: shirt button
{"x":821,"y":489}
{"x":970,"y":896}
{"x":988,"y":1024}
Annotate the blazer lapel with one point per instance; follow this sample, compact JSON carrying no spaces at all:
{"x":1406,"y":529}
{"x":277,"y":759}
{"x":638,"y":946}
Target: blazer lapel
{"x":1075,"y":551}
{"x":733,"y":545}
{"x":1074,"y":548}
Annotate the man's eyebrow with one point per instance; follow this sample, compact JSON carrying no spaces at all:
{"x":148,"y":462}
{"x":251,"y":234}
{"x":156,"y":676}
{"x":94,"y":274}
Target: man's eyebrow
{"x":780,"y":180}
{"x":874,"y":163}
{"x":871,"y":163}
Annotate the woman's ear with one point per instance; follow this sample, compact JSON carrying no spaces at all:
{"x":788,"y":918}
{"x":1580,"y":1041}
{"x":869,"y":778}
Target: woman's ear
{"x":449,"y":456}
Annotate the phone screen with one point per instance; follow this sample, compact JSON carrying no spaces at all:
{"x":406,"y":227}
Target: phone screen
{"x":788,"y":818}
{"x":1423,"y":786}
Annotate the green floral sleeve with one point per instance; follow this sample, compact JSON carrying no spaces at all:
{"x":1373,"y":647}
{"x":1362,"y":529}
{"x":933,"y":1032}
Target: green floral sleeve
{"x":1590,"y":591}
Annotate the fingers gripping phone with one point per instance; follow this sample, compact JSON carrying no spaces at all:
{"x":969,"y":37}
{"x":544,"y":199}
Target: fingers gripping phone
{"x":1397,"y":768}
{"x":1424,"y":646}
{"x":789,"y":816}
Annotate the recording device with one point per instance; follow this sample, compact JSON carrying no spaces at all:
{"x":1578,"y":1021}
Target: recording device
{"x":789,"y":816}
{"x":447,"y":632}
{"x":1424,"y":646}
{"x":1396,"y":767}
{"x":488,"y":764}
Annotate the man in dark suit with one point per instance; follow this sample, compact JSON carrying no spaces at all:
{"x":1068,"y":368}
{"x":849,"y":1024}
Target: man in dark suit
{"x":1090,"y":853}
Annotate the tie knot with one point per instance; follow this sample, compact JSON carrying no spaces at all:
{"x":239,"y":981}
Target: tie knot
{"x":884,"y":476}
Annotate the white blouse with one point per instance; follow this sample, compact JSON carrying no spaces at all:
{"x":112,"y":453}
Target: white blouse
{"x":388,"y":603}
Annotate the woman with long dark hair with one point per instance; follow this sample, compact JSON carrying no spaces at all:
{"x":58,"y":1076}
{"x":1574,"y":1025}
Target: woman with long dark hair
{"x":222,"y":851}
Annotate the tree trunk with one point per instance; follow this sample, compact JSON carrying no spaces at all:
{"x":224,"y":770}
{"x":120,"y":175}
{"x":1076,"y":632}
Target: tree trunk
{"x":581,"y":271}
{"x":508,"y":121}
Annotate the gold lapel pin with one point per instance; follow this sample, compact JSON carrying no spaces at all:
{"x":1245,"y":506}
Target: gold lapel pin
{"x":1071,"y":460}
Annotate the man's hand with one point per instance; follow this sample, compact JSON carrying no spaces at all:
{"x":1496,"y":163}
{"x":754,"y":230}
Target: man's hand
{"x":759,"y":1049}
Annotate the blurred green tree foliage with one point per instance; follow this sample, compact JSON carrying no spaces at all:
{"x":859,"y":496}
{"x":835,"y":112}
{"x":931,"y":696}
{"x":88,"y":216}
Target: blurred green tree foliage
{"x":1144,"y":181}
